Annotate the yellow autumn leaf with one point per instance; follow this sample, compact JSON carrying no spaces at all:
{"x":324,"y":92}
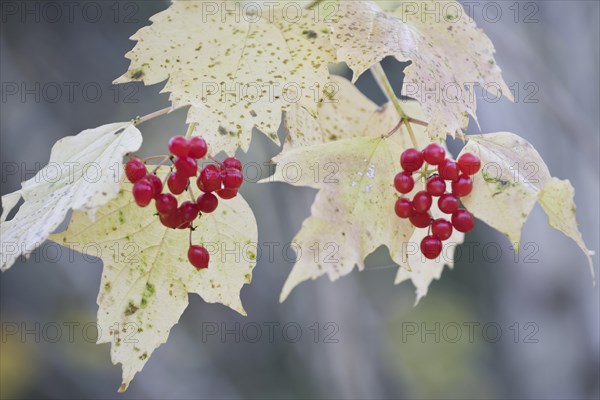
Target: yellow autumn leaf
{"x":146,"y":276}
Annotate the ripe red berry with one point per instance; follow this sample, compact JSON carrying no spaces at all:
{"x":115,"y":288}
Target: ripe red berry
{"x":422,"y":202}
{"x":436,"y":186}
{"x":404,"y":182}
{"x":198,"y":257}
{"x":420,"y":220}
{"x":448,"y":170}
{"x":179,"y":146}
{"x":173,"y":220}
{"x":448,"y":203}
{"x":232,"y":178}
{"x":198,"y":147}
{"x":210,"y":179}
{"x":411,"y":160}
{"x":166,"y":204}
{"x":208,"y":203}
{"x":135,"y":170}
{"x":462,"y":186}
{"x":441,"y":228}
{"x":232,"y":162}
{"x":177,"y":183}
{"x":431,"y":247}
{"x":434,"y":154}
{"x":189,"y":211}
{"x":143,"y":192}
{"x":186,"y":166}
{"x":157,"y":186}
{"x":227,"y":194}
{"x":404,"y":208}
{"x":463,"y":221}
{"x":469,"y":164}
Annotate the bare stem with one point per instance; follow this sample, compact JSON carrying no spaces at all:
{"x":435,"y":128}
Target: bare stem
{"x":155,"y":114}
{"x":385,"y":85}
{"x":191,"y":129}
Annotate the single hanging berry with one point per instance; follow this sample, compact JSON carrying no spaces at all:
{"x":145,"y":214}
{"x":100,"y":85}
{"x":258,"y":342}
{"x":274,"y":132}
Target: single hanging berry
{"x":186,"y":166}
{"x":434,"y":154}
{"x":232,"y":162}
{"x":227,"y":194}
{"x":135,"y":169}
{"x":411,"y":160}
{"x":462,"y":186}
{"x":197,"y":148}
{"x":189,"y":210}
{"x":210,"y":179}
{"x":441,"y":228}
{"x":431,"y":247}
{"x":448,"y":170}
{"x":198,"y":257}
{"x":232,"y":178}
{"x":179,"y":146}
{"x":469,"y":164}
{"x":463,"y":221}
{"x":143,"y":192}
{"x":177,"y":183}
{"x":420,"y":220}
{"x":404,"y":182}
{"x":404,"y":208}
{"x":166,"y":204}
{"x":157,"y":186}
{"x":435,"y":186}
{"x":208,"y":203}
{"x":448,"y":203}
{"x":422,"y":201}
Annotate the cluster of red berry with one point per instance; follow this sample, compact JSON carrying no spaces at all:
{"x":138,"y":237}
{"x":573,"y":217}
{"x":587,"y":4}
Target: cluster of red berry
{"x":224,"y":180}
{"x":418,"y":210}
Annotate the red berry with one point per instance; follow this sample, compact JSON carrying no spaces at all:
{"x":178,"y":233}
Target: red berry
{"x":404,"y":208}
{"x":420,"y":220}
{"x":422,"y":202}
{"x":411,"y":160}
{"x":177,"y":183}
{"x":463,"y":221}
{"x":210,"y":179}
{"x":469,"y":164}
{"x":227,"y":194}
{"x":232,"y":162}
{"x":434,"y":154}
{"x":179,"y":146}
{"x":198,"y":257}
{"x":166,"y":204}
{"x":232,"y":178}
{"x":404,"y":182}
{"x":436,"y":186}
{"x":198,"y":147}
{"x":135,"y":170}
{"x":448,"y":203}
{"x":448,"y":170}
{"x":462,"y":186}
{"x":157,"y":186}
{"x":143,"y":192}
{"x":186,"y":166}
{"x":189,"y":210}
{"x":208,"y":203}
{"x":441,"y":228}
{"x":173,"y":220}
{"x":431,"y":247}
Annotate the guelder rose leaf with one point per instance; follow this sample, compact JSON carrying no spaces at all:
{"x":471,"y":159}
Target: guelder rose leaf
{"x":147,"y":277}
{"x":449,"y":54}
{"x":353,"y":213}
{"x":556,"y":199}
{"x":512,"y":179}
{"x":238,"y":69}
{"x":83,"y":174}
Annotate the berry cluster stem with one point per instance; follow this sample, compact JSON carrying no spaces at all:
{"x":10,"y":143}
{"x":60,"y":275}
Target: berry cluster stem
{"x":155,"y":114}
{"x":190,"y":130}
{"x":385,"y":85}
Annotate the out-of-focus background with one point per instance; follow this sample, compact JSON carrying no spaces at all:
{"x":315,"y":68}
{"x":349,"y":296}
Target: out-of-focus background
{"x":529,"y":323}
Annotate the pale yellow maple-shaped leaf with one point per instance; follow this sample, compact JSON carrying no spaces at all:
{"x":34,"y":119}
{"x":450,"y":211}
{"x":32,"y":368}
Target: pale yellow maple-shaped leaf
{"x":353,"y":212}
{"x":513,"y":177}
{"x":147,"y":277}
{"x":238,"y":69}
{"x":449,"y":54}
{"x":83,"y":173}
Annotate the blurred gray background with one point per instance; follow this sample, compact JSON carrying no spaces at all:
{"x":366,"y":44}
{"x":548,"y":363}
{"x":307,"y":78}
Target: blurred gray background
{"x":542,"y":299}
